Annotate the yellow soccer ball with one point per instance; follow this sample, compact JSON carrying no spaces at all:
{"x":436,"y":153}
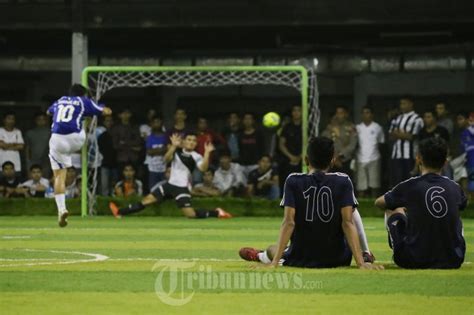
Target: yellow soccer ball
{"x":271,"y":120}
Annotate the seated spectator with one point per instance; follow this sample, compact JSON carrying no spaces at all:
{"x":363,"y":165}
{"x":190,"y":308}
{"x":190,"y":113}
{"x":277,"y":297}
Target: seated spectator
{"x":263,"y":181}
{"x":37,"y":184}
{"x":155,"y":149}
{"x":11,"y":142}
{"x":229,"y":177}
{"x":73,"y":185}
{"x":9,"y":182}
{"x":129,"y":186}
{"x":207,"y":188}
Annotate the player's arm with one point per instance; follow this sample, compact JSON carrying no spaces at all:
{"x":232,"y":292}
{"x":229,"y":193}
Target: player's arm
{"x":380,"y":203}
{"x":286,"y":229}
{"x":175,"y":143}
{"x":208,"y":148}
{"x":352,"y":239}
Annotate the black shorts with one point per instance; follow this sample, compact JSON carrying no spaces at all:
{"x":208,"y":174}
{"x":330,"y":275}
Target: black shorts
{"x":181,"y":195}
{"x":336,"y":260}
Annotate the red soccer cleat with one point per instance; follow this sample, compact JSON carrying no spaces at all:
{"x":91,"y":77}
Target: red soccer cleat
{"x":222,"y":214}
{"x":368,"y":257}
{"x":114,"y":209}
{"x":249,"y":253}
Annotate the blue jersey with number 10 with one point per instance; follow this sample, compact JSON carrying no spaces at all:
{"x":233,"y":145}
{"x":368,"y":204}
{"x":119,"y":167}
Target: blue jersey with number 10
{"x":69,"y":112}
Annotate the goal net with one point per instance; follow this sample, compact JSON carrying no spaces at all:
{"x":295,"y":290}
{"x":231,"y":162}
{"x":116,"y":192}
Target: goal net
{"x":100,"y":80}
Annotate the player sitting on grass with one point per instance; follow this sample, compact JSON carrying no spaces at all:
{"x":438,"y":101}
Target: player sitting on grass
{"x":67,"y":137}
{"x":183,"y":160}
{"x":320,"y":218}
{"x":422,"y":214}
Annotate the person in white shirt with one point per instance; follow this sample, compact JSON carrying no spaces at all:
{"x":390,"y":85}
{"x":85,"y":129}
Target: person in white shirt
{"x":11,"y":142}
{"x":37,"y":184}
{"x":370,"y":135}
{"x":229,"y":178}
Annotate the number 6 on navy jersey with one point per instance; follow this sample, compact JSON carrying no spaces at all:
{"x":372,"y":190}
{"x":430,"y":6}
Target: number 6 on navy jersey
{"x":321,"y":200}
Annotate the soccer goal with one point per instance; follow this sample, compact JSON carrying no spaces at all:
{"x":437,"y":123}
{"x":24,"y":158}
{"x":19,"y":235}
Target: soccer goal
{"x":102,"y":79}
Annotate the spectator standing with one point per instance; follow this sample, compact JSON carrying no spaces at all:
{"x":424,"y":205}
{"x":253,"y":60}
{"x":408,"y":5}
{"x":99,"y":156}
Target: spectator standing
{"x":229,"y":178}
{"x":403,"y":131}
{"x":145,"y":129}
{"x":156,"y":148}
{"x":127,"y":141}
{"x":458,"y":150}
{"x":467,"y":142}
{"x":207,"y":188}
{"x":432,"y":128}
{"x":251,"y":144}
{"x":179,"y":127}
{"x":37,"y":184}
{"x":108,"y":169}
{"x":231,"y":134}
{"x":290,"y":145}
{"x":343,"y":133}
{"x":37,"y":143}
{"x":11,"y":142}
{"x":443,"y":118}
{"x":263,"y":181}
{"x":370,"y":137}
{"x":129,"y":186}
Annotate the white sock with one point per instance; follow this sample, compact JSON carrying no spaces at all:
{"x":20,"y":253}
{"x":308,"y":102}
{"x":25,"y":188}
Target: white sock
{"x":60,"y":202}
{"x":360,"y":230}
{"x":263,"y":257}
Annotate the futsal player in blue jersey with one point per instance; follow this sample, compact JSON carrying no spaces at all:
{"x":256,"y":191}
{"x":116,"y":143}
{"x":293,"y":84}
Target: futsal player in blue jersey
{"x":320,"y":214}
{"x":67,"y":137}
{"x":423,"y":214}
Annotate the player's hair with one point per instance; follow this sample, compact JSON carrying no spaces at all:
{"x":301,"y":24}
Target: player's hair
{"x":8,"y":163}
{"x":433,"y":151}
{"x":369,"y":108}
{"x":35,"y":167}
{"x":78,"y":90}
{"x":463,"y":113}
{"x":9,"y":113}
{"x":320,"y":152}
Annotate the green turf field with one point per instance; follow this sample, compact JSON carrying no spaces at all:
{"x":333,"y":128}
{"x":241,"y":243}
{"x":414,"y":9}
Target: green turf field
{"x":105,"y":266}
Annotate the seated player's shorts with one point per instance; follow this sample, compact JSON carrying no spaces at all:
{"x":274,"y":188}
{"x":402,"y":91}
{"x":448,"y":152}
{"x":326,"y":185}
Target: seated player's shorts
{"x":62,"y":146}
{"x":181,"y":195}
{"x":343,"y":260}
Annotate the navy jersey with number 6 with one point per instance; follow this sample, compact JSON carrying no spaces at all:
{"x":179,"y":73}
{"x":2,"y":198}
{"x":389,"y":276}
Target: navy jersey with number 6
{"x":433,"y":236}
{"x":318,"y":239}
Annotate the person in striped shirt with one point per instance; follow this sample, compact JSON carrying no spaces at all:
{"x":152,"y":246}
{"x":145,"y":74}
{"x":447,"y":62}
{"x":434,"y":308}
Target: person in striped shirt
{"x":403,"y":131}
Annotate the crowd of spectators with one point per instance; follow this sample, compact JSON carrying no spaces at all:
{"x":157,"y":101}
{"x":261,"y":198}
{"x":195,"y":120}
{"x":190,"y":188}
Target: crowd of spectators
{"x":375,"y":154}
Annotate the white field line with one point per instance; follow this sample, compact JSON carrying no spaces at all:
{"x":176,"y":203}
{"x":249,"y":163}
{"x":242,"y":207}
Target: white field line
{"x":11,"y":237}
{"x":41,"y":262}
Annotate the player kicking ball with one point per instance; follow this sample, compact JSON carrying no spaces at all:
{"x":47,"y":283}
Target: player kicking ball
{"x":423,"y":214}
{"x":183,"y":160}
{"x":320,"y":218}
{"x":67,"y":137}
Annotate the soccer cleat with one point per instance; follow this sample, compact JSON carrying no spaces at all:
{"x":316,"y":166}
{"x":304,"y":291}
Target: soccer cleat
{"x":62,"y":218}
{"x":368,"y":257}
{"x":249,"y":253}
{"x":222,"y":214}
{"x":115,"y":210}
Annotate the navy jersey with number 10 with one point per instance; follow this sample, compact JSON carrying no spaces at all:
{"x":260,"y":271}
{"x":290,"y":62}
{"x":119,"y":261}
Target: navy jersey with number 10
{"x":318,"y":239}
{"x":69,"y":112}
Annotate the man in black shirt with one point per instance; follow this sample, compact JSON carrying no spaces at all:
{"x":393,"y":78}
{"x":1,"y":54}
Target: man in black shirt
{"x":9,"y":183}
{"x":431,"y":128}
{"x":290,"y":145}
{"x":251,"y":144}
{"x":108,"y":170}
{"x":263,"y":181}
{"x":423,"y":214}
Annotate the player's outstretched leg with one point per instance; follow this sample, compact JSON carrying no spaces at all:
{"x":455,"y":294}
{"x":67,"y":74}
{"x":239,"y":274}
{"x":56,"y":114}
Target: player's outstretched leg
{"x":133,"y":207}
{"x":253,"y":254}
{"x":60,"y":196}
{"x":364,"y":245}
{"x":394,"y":223}
{"x":204,"y":214}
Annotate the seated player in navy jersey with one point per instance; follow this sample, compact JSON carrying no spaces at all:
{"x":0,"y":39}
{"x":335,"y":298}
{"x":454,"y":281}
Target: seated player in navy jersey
{"x":320,"y":218}
{"x":422,"y":214}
